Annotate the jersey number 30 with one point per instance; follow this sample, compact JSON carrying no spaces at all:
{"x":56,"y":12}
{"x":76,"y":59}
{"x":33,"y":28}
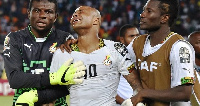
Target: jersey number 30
{"x":92,"y":71}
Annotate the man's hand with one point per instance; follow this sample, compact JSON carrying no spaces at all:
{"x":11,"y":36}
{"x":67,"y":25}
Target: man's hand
{"x":135,"y":100}
{"x":66,"y":45}
{"x":27,"y":98}
{"x":68,"y":73}
{"x":139,"y":98}
{"x":118,"y":99}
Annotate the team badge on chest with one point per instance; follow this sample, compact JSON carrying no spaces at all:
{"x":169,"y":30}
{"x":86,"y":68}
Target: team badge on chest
{"x":52,"y":49}
{"x":107,"y":61}
{"x":6,"y":43}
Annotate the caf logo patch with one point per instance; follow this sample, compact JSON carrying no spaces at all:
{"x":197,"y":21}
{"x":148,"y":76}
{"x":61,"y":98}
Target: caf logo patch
{"x":121,"y":48}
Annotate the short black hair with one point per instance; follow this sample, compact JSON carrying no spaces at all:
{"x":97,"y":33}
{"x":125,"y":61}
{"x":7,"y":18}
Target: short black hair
{"x":52,"y":1}
{"x":193,"y":33}
{"x":170,"y":7}
{"x":124,"y":28}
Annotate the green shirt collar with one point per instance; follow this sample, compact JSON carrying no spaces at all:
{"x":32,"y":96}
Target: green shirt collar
{"x":29,"y":28}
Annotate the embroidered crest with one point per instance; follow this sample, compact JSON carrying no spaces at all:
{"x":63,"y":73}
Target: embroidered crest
{"x":121,"y":48}
{"x":6,"y":43}
{"x":52,"y":49}
{"x":107,"y":61}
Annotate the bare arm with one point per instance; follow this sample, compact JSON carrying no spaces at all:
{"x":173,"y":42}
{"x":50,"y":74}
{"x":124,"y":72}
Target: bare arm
{"x":179,"y":93}
{"x":134,"y":80}
{"x":119,"y":99}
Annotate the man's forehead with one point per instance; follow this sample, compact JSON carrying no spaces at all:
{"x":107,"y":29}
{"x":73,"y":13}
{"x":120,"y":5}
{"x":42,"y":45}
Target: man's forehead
{"x":44,"y":4}
{"x":78,"y":9}
{"x":196,"y":35}
{"x":152,"y":4}
{"x":82,"y":8}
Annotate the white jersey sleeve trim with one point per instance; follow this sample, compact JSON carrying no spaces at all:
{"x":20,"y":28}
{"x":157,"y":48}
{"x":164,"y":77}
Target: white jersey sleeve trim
{"x":131,"y":51}
{"x":181,"y":69}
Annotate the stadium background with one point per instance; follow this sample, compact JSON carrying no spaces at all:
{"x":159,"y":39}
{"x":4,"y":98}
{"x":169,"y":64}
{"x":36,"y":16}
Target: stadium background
{"x":115,"y":13}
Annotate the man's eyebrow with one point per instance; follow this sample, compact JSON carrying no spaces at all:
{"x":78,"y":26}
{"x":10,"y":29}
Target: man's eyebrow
{"x":134,"y":34}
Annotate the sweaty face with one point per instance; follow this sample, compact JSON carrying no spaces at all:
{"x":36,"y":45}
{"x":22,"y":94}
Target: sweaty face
{"x":42,"y":15}
{"x":82,"y":17}
{"x":130,"y":34}
{"x":151,"y":16}
{"x":195,"y":42}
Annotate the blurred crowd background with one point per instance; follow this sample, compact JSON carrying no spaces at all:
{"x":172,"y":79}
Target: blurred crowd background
{"x":115,"y":13}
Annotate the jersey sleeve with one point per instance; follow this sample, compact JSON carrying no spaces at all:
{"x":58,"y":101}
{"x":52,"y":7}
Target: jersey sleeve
{"x":182,"y":62}
{"x":131,"y":52}
{"x":124,"y":59}
{"x":14,"y":66}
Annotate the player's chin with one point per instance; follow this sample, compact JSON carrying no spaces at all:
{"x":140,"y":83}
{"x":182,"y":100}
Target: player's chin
{"x":41,"y":28}
{"x":143,"y":27}
{"x":76,"y":28}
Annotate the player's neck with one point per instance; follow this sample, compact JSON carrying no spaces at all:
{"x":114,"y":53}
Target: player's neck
{"x":88,"y":44}
{"x":39,"y":34}
{"x":157,"y":37}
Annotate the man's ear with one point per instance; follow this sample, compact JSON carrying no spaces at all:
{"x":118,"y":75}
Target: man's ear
{"x":121,"y":39}
{"x":56,"y":16}
{"x":165,"y":18}
{"x":28,"y":12}
{"x":96,"y":21}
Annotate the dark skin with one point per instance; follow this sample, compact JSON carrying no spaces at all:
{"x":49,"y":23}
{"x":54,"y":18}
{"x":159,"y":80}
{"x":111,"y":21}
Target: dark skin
{"x":67,"y":44}
{"x":42,"y":17}
{"x":155,"y":23}
{"x":194,"y":40}
{"x":158,"y":28}
{"x":129,"y":35}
